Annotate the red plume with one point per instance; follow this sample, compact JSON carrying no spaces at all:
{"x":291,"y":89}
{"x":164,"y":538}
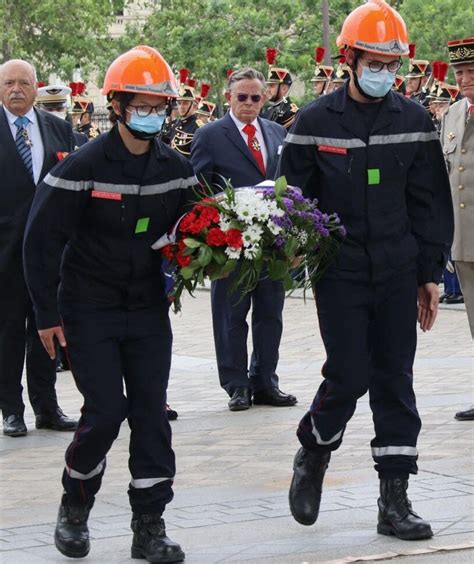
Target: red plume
{"x":191,"y":82}
{"x":204,"y":89}
{"x":40,"y":84}
{"x":81,"y":88}
{"x":443,"y":71}
{"x":73,"y":87}
{"x":77,"y":88}
{"x":229,"y":72}
{"x":183,"y":76}
{"x":271,"y":55}
{"x":435,"y":69}
{"x":319,"y":53}
{"x":412,"y":50}
{"x":342,"y":55}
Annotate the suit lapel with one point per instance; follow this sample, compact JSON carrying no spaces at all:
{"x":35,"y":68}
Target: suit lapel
{"x":44,"y":126}
{"x":233,"y":134}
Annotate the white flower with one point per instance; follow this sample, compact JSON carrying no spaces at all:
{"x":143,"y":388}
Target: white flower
{"x":251,"y":252}
{"x":225,"y":222}
{"x":233,"y":253}
{"x":252,"y":235}
{"x":274,"y":228}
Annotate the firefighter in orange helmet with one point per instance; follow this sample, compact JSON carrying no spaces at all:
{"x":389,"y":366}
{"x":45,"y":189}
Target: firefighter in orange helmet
{"x":92,"y":225}
{"x":374,"y":157}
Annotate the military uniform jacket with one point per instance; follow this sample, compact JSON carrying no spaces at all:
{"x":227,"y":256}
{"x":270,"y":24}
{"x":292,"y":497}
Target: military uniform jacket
{"x":457,"y":139}
{"x":390,"y":190}
{"x":92,"y":207}
{"x":182,"y":134}
{"x":89,"y":129}
{"x":283,"y":112}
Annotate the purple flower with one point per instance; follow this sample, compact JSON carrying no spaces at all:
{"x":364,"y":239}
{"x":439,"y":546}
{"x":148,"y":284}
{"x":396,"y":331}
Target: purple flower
{"x":289,"y":204}
{"x":284,"y":222}
{"x":342,"y":230}
{"x":280,"y":241}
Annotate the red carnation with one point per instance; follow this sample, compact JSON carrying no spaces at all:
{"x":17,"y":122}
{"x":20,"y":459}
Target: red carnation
{"x":183,"y":260}
{"x":187,"y":221}
{"x":209,"y":213}
{"x":216,"y":237}
{"x":167,"y":252}
{"x":234,"y":238}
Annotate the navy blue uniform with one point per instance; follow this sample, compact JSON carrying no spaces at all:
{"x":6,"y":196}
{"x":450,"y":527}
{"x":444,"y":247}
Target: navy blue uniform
{"x":94,"y":219}
{"x":380,"y":166}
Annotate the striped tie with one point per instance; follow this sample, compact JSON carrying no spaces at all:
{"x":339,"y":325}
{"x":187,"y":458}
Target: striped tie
{"x":23,"y":144}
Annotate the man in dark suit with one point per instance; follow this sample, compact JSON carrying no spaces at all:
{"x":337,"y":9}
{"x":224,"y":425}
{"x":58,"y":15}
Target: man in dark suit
{"x":243,"y":148}
{"x":32,"y":143}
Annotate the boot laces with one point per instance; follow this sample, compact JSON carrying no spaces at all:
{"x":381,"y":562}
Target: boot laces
{"x":400,"y":489}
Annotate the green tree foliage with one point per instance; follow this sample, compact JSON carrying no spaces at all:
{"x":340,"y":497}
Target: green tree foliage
{"x":55,"y":35}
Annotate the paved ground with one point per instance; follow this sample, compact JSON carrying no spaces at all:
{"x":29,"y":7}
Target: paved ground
{"x":234,"y":468}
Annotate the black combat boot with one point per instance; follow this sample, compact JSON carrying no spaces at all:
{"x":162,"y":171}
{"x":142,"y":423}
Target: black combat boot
{"x":306,"y":486}
{"x":71,"y":536}
{"x":396,"y":516}
{"x":150,"y":540}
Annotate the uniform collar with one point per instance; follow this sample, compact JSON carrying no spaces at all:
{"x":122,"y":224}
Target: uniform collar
{"x":116,"y":151}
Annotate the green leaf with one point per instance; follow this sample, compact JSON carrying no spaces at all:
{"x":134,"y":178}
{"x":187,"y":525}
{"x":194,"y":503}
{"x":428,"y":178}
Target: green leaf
{"x":192,"y":243}
{"x":229,"y":266}
{"x":291,"y":247}
{"x":187,"y":272}
{"x":280,"y":186}
{"x":288,"y":283}
{"x":205,"y":256}
{"x":219,"y":256}
{"x":277,"y":269}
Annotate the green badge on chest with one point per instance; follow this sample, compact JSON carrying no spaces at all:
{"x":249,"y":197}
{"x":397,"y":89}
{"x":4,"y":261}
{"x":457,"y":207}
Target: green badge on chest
{"x":142,"y":225}
{"x":373,"y":176}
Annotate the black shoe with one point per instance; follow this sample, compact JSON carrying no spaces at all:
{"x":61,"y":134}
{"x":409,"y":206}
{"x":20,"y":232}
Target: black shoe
{"x":14,"y":426}
{"x":396,"y":516}
{"x":454,"y":299}
{"x":443,"y":297}
{"x":275,"y":397}
{"x":56,"y":421}
{"x":71,"y":536}
{"x":171,"y":413}
{"x":306,"y":486}
{"x":466,"y":415}
{"x":150,"y":541}
{"x":240,"y":400}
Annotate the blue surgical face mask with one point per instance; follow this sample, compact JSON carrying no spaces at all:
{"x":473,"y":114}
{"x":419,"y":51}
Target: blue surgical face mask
{"x":151,"y":124}
{"x":376,"y":84}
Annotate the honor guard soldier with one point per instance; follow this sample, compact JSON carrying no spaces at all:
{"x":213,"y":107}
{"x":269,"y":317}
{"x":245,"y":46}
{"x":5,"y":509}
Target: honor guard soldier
{"x":92,"y":225}
{"x":54,"y":99}
{"x":170,"y":121}
{"x":206,"y":109}
{"x":341,"y":74}
{"x":441,"y":94}
{"x":82,"y":110}
{"x":375,"y":158}
{"x":322,"y":73}
{"x":399,"y":85}
{"x":188,"y":122}
{"x":418,"y":76}
{"x":279,"y":81}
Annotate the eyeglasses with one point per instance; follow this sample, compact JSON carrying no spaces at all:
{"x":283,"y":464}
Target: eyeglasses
{"x":254,"y":97}
{"x":377,"y":66}
{"x":144,"y":111}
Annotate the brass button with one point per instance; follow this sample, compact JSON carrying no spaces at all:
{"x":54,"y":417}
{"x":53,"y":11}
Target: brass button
{"x":462,"y":206}
{"x":460,"y":187}
{"x":461,"y":168}
{"x":463,"y":151}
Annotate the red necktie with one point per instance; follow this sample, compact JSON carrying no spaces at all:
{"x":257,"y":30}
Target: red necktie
{"x":254,"y":146}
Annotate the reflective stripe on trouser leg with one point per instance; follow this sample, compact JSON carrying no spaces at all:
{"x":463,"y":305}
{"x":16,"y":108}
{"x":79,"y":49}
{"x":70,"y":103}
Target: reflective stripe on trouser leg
{"x":99,"y":469}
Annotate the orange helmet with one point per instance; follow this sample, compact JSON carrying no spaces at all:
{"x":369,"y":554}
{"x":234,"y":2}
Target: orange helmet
{"x":375,"y":27}
{"x":142,"y":70}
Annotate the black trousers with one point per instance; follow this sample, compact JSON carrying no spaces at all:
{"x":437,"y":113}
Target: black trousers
{"x":18,"y":333}
{"x":229,"y":318}
{"x":106,"y":350}
{"x":369,"y":332}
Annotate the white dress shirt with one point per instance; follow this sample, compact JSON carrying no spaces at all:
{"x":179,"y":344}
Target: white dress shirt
{"x":34,"y":134}
{"x":258,"y":134}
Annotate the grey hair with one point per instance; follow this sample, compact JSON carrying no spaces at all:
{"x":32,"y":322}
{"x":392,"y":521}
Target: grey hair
{"x":33,"y":70}
{"x":246,"y":74}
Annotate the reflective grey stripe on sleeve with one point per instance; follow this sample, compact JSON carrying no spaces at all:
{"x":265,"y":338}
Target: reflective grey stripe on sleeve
{"x":133,"y":189}
{"x":142,"y":483}
{"x":415,"y":137}
{"x":330,"y":141}
{"x":79,"y":476}
{"x":74,"y":185}
{"x":394,"y":450}
{"x":320,"y":441}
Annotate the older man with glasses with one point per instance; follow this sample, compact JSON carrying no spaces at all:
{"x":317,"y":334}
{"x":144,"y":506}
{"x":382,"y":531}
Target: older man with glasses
{"x":244,"y":148}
